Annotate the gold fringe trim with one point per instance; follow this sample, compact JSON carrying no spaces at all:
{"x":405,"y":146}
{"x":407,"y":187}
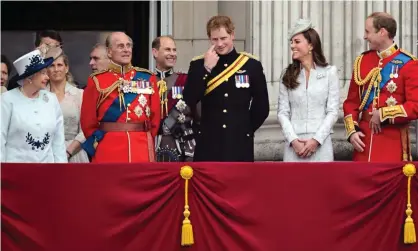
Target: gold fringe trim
{"x":410,"y":237}
{"x":409,"y":54}
{"x":186,"y":173}
{"x":249,"y":55}
{"x":198,"y":57}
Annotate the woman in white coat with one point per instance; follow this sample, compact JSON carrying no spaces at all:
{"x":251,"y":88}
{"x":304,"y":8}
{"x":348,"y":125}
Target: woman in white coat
{"x":32,"y":128}
{"x":309,"y":98}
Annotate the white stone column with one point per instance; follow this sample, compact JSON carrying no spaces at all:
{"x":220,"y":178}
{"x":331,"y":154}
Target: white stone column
{"x":166,"y":17}
{"x":152,"y":30}
{"x":341,"y":27}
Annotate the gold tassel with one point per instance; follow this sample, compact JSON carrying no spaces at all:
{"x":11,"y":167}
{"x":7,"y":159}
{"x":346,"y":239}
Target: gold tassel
{"x":409,"y":228}
{"x":162,"y":89}
{"x":186,"y":173}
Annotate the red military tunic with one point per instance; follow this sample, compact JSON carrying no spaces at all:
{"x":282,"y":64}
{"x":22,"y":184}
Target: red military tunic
{"x":126,"y":95}
{"x":394,"y":72}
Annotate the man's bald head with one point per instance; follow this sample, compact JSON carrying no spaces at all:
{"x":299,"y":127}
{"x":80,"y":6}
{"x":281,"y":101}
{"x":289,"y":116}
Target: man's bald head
{"x":116,"y":35}
{"x":119,"y":48}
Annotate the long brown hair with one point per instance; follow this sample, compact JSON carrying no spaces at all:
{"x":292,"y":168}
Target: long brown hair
{"x":292,"y":71}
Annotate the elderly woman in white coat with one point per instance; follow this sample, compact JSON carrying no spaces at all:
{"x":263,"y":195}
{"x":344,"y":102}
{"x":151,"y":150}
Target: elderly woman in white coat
{"x":308,"y":99}
{"x":32,"y":127}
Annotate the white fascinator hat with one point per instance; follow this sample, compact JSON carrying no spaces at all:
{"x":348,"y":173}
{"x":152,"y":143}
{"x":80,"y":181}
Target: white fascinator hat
{"x":300,"y":26}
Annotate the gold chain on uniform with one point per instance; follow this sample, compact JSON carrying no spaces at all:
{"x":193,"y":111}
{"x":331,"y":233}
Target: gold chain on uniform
{"x":374,"y":77}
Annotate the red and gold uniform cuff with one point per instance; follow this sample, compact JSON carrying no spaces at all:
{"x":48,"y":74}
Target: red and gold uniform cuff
{"x":350,"y":125}
{"x":392,"y":112}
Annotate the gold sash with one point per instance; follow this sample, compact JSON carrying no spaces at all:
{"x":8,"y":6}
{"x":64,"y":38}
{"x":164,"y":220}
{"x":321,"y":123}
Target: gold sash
{"x":227,"y":73}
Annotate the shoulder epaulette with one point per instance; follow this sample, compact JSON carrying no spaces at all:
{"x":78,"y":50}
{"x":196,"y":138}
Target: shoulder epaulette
{"x":409,"y":54}
{"x":249,"y":55}
{"x":143,"y":70}
{"x":198,"y":57}
{"x":97,"y":73}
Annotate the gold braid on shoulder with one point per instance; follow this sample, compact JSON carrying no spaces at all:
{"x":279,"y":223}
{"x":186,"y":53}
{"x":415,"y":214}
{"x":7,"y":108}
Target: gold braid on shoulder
{"x":373,"y":76}
{"x":357,"y":78}
{"x":409,"y":54}
{"x":104,"y":93}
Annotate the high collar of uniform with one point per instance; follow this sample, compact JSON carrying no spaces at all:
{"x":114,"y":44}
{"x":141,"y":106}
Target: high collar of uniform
{"x":389,"y":51}
{"x":232,"y":55}
{"x":117,"y":68}
{"x":163,"y":74}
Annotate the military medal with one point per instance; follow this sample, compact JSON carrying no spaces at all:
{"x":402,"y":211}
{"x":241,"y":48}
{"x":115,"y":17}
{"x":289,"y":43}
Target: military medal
{"x":242,"y":81}
{"x":138,"y":111}
{"x":237,"y":81}
{"x":134,"y":85}
{"x":181,"y":118}
{"x":396,"y":73}
{"x":176,"y":92}
{"x":148,"y":111}
{"x":391,"y":73}
{"x":391,"y":101}
{"x":128,"y":84}
{"x":247,"y":81}
{"x":142,"y":100}
{"x":125,"y":88}
{"x":391,"y":86}
{"x":181,"y":105}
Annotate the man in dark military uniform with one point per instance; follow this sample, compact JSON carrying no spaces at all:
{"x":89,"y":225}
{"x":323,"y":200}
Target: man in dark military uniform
{"x":175,"y":140}
{"x":233,"y":93}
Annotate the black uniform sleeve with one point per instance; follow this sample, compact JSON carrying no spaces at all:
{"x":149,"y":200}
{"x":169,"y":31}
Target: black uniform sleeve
{"x":260,"y":107}
{"x":195,"y":86}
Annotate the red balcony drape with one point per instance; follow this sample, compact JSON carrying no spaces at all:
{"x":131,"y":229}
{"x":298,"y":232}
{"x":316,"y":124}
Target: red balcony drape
{"x":339,"y":206}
